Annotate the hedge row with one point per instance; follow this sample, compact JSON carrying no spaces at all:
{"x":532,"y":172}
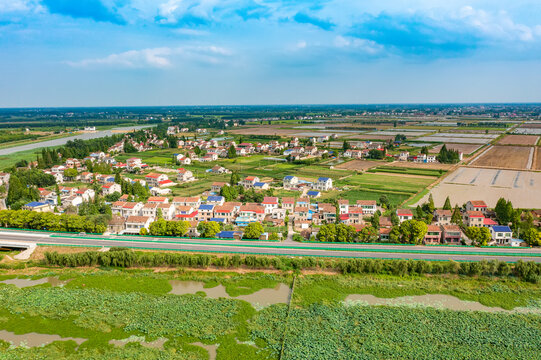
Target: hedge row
{"x":121,"y":257}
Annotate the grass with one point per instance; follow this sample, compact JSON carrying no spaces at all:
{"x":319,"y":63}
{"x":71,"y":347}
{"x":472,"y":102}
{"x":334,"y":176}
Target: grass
{"x":409,"y":171}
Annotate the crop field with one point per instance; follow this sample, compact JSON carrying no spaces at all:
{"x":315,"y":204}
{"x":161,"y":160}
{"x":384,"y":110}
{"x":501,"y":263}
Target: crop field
{"x":466,"y":149}
{"x":523,"y":188}
{"x":528,"y":131}
{"x":407,"y":171}
{"x":100,"y":309}
{"x":508,"y":157}
{"x":383,"y":182}
{"x":519,"y":140}
{"x":371,"y":137}
{"x":428,"y":166}
{"x":458,"y":138}
{"x":359,"y":165}
{"x":537,"y":165}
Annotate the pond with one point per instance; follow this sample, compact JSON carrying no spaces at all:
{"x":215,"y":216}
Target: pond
{"x":264,"y":297}
{"x":34,"y":339}
{"x":22,"y":283}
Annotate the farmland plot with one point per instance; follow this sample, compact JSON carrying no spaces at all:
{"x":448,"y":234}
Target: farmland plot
{"x":463,"y":148}
{"x":359,"y":165}
{"x":519,"y":140}
{"x":507,"y":157}
{"x":523,"y":188}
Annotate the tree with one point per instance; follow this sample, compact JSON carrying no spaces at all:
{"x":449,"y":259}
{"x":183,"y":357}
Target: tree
{"x":430,"y":207}
{"x":128,"y":147}
{"x":532,"y":237}
{"x":208,"y":229}
{"x":456,"y":218}
{"x":384,"y":201}
{"x":143,"y":231}
{"x":235,"y":178}
{"x":375,"y":220}
{"x":346,"y":146}
{"x":231,"y":152}
{"x":253,"y":230}
{"x":376,"y":154}
{"x":446,"y":156}
{"x":447,"y":205}
{"x":504,"y":211}
{"x":479,"y":236}
{"x":70,"y":173}
{"x":412,"y":231}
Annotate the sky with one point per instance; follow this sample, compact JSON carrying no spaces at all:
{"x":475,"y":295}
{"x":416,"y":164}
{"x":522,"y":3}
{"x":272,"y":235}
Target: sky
{"x":221,"y":52}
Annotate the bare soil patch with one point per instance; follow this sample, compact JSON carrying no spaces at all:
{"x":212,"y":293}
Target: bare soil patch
{"x":412,"y":165}
{"x":359,"y":165}
{"x":519,"y":140}
{"x":531,"y":126}
{"x":537,"y":163}
{"x":507,"y":157}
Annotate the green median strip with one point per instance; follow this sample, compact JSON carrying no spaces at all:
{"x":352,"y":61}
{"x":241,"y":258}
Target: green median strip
{"x":405,"y":251}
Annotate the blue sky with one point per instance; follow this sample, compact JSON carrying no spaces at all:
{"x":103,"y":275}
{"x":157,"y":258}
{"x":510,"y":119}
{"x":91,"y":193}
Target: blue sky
{"x":185,"y":52}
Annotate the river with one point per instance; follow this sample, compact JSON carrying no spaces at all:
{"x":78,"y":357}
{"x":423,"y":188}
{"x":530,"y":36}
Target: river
{"x":64,"y":140}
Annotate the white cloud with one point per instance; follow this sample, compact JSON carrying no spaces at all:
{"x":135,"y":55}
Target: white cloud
{"x":7,"y":6}
{"x":364,"y":45}
{"x":158,"y":58}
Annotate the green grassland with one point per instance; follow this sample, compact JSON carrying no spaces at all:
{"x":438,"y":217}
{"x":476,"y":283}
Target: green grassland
{"x":102,"y":305}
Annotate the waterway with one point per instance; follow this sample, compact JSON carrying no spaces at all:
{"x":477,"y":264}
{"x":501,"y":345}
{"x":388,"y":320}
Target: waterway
{"x":64,"y":140}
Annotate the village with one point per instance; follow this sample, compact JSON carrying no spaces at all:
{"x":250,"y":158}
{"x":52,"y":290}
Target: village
{"x":299,"y":217}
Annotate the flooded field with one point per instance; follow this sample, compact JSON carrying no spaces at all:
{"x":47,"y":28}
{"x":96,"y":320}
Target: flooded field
{"x":34,"y":339}
{"x":439,"y":301}
{"x":22,"y":283}
{"x":263,"y":297}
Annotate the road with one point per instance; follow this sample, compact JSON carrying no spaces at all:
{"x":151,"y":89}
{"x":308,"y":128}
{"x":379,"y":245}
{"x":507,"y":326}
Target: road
{"x":274,"y":248}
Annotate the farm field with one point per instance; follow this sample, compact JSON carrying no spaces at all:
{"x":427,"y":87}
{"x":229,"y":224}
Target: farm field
{"x":179,"y":315}
{"x":523,"y":188}
{"x":466,"y":149}
{"x":519,"y":140}
{"x":537,"y":165}
{"x":510,"y":157}
{"x":371,"y":137}
{"x":359,"y":165}
{"x":451,"y":138}
{"x":430,"y":166}
{"x":528,"y":130}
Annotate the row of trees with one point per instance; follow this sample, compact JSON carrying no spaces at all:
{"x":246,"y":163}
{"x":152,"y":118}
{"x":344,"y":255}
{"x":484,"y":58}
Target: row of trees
{"x":26,"y":219}
{"x":448,"y":156}
{"x":118,"y":257}
{"x":23,"y":186}
{"x":161,"y":227}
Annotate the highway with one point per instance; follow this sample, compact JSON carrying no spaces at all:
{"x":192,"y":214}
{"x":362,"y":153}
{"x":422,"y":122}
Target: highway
{"x":275,"y":248}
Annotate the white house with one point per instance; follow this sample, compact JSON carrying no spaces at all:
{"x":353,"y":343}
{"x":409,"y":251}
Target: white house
{"x":369,"y":206}
{"x":184,"y":175}
{"x":323,"y":184}
{"x":404,"y":214}
{"x":501,"y":235}
{"x":109,"y":189}
{"x":270,"y":203}
{"x":290,"y":182}
{"x":134,"y":224}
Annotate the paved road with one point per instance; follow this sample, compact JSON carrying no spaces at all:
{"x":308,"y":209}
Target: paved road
{"x":304,"y":249}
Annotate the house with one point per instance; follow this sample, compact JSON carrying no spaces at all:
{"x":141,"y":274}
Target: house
{"x":250,"y":213}
{"x":186,"y":213}
{"x":181,"y":159}
{"x":451,"y":234}
{"x":215,"y":200}
{"x":209,"y":157}
{"x":369,"y":206}
{"x":38,"y":206}
{"x":288,"y":203}
{"x":166,"y":183}
{"x":433,"y":235}
{"x":226,"y":212}
{"x":290,"y":182}
{"x":205,"y":212}
{"x":517,"y":243}
{"x":302,"y":213}
{"x":474,"y":218}
{"x":487,"y":222}
{"x":86,"y":194}
{"x":477,"y":205}
{"x":194,"y":202}
{"x":150,"y":210}
{"x":270,"y":203}
{"x":168,"y":210}
{"x":323,"y":184}
{"x":384,"y":234}
{"x":184,"y":175}
{"x":249,"y":182}
{"x":134,"y":224}
{"x":116,"y":225}
{"x":131,"y":209}
{"x":111,"y":189}
{"x":404,"y":214}
{"x":133,"y":164}
{"x":313,"y":194}
{"x":501,"y":235}
{"x":233,"y":235}
{"x":355,"y":214}
{"x":343,"y":206}
{"x":217,"y":169}
{"x":261,"y":186}
{"x":442,"y":217}
{"x":154,"y":179}
{"x":4,"y":178}
{"x":158,"y":200}
{"x":217,"y":186}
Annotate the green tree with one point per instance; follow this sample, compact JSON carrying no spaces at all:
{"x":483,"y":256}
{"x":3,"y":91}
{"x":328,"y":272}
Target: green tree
{"x":231,"y":152}
{"x":346,"y":146}
{"x":384,"y":201}
{"x":456,"y":218}
{"x":532,"y":237}
{"x":253,"y":230}
{"x":235,"y":178}
{"x":447,"y":205}
{"x":208,"y":229}
{"x":412,"y":231}
{"x":70,"y":173}
{"x":375,"y":220}
{"x":504,"y":211}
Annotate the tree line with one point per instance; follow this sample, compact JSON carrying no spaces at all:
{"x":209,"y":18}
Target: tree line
{"x":122,"y":257}
{"x":26,"y":219}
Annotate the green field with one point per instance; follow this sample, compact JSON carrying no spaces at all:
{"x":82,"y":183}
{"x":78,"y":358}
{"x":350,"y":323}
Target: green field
{"x":103,"y":305}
